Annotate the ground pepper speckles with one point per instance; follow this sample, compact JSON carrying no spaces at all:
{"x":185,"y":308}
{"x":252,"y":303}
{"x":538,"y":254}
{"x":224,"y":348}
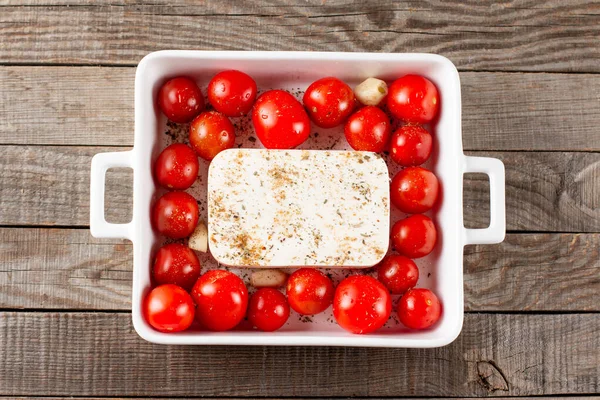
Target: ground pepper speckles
{"x":300,"y":202}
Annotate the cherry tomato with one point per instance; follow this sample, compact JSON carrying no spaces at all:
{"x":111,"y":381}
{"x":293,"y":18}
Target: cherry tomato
{"x":268,"y":309}
{"x":175,"y":215}
{"x":414,"y":190}
{"x":176,"y":167}
{"x":419,"y":309}
{"x":279,"y":120}
{"x":398,"y":273}
{"x":221,"y":300}
{"x":368,"y":129}
{"x":329,"y":102}
{"x":177,"y":264}
{"x":309,"y":291}
{"x":169,"y":308}
{"x":361,"y":304}
{"x":411,"y":145}
{"x":232,"y":93}
{"x":210,"y":133}
{"x":413,"y":98}
{"x":180,"y":99}
{"x":414,"y":236}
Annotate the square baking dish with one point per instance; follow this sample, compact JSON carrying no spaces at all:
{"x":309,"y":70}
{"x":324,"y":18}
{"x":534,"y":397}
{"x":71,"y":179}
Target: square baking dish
{"x":441,"y":271}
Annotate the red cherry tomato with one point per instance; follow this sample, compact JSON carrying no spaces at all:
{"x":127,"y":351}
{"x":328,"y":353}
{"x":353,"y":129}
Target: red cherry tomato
{"x":221,"y":300}
{"x":177,"y":264}
{"x":398,"y":273}
{"x":411,"y":145}
{"x":180,"y":99}
{"x":329,"y":102}
{"x":413,"y":98}
{"x":176,"y":167}
{"x":361,"y":304}
{"x":232,"y":93}
{"x":419,"y":309}
{"x":169,"y":308}
{"x":210,"y":133}
{"x":309,"y":291}
{"x":268,"y":309}
{"x":368,"y":129}
{"x":279,"y":120}
{"x":175,"y":215}
{"x":414,"y":236}
{"x":414,"y":190}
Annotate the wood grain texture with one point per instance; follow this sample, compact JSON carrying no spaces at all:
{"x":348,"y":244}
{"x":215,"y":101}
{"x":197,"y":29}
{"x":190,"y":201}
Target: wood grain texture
{"x":68,"y":269}
{"x":66,"y":106}
{"x":307,"y":398}
{"x":508,"y":111}
{"x":93,"y":354}
{"x":63,"y":269}
{"x":501,"y":111}
{"x":557,"y":192}
{"x":49,"y":185}
{"x":526,"y":35}
{"x":534,"y":272}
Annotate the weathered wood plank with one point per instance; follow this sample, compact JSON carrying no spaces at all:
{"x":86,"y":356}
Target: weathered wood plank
{"x":68,"y":269}
{"x":501,"y":111}
{"x":552,"y":35}
{"x":514,"y":111}
{"x":544,"y":192}
{"x":534,"y":272}
{"x":63,"y":269}
{"x":556,"y":192}
{"x":306,"y":398}
{"x":50,"y":186}
{"x":66,"y":105}
{"x":93,"y":354}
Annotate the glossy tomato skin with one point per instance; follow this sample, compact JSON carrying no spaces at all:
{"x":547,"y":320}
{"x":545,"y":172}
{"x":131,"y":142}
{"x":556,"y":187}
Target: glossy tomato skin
{"x":180,"y":99}
{"x":309,"y":291}
{"x":419,"y":309}
{"x":329,"y":102}
{"x":368,"y":129}
{"x":411,"y":145}
{"x":177,"y":264}
{"x":398,"y":273}
{"x":210,"y":133}
{"x":175,"y":215}
{"x":414,"y":99}
{"x":361,"y":304}
{"x":232,"y":93}
{"x":279,"y":120}
{"x":415,"y":236}
{"x":414,"y":190}
{"x":221,"y":300}
{"x":169,"y":308}
{"x":268,"y":309}
{"x":176,"y":167}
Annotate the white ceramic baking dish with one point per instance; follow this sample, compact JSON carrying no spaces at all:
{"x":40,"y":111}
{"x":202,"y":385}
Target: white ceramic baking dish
{"x":442,"y":271}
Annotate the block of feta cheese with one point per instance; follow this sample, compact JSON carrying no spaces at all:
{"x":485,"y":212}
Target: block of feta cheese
{"x":291,"y":208}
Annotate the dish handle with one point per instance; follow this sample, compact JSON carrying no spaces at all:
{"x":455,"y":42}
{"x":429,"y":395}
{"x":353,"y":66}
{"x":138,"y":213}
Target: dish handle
{"x":100,"y":164}
{"x":496,"y":231}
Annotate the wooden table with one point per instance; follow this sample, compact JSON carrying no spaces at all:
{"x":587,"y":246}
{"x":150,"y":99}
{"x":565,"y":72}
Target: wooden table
{"x":531,"y":95}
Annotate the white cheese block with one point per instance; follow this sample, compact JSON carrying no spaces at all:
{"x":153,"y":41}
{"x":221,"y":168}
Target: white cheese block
{"x":291,"y":208}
